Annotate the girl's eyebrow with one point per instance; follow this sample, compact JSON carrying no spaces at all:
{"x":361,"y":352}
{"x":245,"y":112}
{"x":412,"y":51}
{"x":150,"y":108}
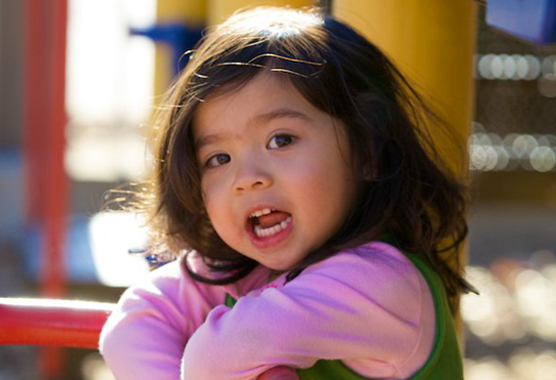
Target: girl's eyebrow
{"x":264,"y":118}
{"x":206,"y":140}
{"x":281,"y":113}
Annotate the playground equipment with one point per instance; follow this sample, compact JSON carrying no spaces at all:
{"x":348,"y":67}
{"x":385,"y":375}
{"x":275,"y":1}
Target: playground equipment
{"x":532,"y":20}
{"x":63,"y":323}
{"x":49,"y":322}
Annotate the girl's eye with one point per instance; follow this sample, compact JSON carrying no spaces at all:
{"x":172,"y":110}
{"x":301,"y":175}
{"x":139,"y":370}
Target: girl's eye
{"x":280,"y":141}
{"x":217,"y":160}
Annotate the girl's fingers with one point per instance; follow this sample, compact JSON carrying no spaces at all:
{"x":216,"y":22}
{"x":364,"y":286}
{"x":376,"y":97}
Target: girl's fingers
{"x":279,"y":373}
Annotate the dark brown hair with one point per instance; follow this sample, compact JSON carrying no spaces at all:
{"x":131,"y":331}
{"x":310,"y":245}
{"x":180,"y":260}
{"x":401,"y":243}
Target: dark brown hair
{"x":407,"y":192}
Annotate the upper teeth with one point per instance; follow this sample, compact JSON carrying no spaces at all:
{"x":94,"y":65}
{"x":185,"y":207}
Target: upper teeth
{"x":258,"y":213}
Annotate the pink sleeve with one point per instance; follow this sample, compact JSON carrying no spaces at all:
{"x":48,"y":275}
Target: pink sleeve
{"x":369,"y":307}
{"x":145,"y":336}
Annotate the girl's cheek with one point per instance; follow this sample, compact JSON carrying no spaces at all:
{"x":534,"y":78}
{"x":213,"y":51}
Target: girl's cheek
{"x":206,"y":189}
{"x":214,"y":190}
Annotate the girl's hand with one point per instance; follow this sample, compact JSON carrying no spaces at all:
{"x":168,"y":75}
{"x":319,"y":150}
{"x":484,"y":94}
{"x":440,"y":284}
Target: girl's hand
{"x":279,"y":373}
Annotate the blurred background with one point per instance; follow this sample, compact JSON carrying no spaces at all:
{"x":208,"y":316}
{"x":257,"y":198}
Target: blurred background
{"x":79,"y":80}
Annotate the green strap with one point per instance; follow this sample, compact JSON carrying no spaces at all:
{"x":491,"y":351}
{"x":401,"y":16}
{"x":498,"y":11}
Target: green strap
{"x":230,"y":301}
{"x":445,"y":361}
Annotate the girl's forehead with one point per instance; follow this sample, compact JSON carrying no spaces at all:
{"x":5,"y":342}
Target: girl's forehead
{"x":266,"y":77}
{"x":265,"y":98}
{"x":264,"y":91}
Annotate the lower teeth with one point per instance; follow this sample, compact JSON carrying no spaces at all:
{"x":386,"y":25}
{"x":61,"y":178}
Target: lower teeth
{"x":264,"y":232}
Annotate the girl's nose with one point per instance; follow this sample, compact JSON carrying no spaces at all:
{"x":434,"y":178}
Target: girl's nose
{"x":251,"y":177}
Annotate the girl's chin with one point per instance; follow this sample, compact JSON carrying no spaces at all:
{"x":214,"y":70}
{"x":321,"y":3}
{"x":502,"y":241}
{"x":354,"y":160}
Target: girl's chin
{"x":283,"y":262}
{"x":277,"y":268}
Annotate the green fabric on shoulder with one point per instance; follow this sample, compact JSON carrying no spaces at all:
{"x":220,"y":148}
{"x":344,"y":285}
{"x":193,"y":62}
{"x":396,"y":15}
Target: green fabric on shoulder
{"x":445,"y":360}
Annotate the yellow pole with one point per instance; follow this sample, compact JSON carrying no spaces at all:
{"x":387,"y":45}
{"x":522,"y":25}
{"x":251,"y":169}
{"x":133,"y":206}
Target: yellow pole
{"x":432,"y":42}
{"x":192,"y":13}
{"x":219,"y":10}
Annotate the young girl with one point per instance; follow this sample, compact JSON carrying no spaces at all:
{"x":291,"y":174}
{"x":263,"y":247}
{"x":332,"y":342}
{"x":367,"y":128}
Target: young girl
{"x":308,"y":212}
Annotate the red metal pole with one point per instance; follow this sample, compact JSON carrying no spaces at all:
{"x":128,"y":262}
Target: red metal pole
{"x":35,"y":108}
{"x":50,"y":322}
{"x":53,"y":282}
{"x":44,"y":144}
{"x":56,"y":186}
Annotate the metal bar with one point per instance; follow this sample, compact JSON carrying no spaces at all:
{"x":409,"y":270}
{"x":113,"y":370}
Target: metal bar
{"x":44,"y":143}
{"x":53,"y":282}
{"x":52,"y":322}
{"x":34,"y":108}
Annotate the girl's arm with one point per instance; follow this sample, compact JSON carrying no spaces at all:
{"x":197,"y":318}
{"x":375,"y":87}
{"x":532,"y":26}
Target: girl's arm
{"x":145,"y":336}
{"x":369,"y":307}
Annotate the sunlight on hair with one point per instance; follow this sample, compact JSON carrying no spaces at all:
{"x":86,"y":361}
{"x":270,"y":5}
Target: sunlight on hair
{"x":113,"y":234}
{"x":275,"y":26}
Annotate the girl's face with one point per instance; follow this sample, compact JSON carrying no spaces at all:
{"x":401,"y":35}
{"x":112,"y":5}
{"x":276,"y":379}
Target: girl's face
{"x":275,"y":171}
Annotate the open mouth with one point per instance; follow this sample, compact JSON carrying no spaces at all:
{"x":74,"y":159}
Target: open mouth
{"x":268,"y":222}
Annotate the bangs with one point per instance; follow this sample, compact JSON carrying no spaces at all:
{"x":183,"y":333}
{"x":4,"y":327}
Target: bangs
{"x":239,"y":51}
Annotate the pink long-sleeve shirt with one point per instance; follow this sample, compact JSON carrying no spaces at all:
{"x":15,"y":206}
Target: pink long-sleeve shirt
{"x":369,"y":307}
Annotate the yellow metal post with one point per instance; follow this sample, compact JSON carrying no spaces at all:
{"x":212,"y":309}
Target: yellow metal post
{"x":192,"y":13}
{"x":219,"y":10}
{"x":433,"y":43}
